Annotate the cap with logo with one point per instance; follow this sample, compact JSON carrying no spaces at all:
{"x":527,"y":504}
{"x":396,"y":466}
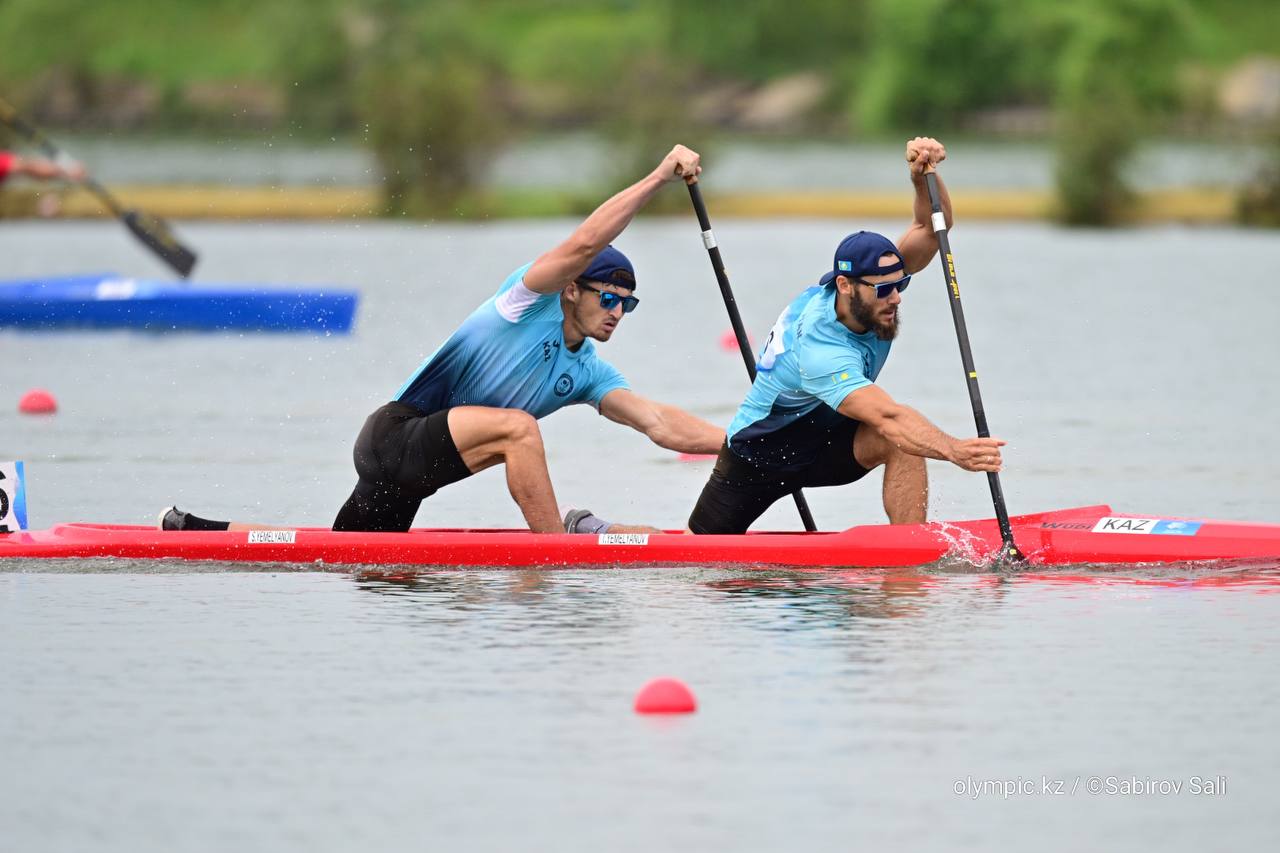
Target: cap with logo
{"x":859,"y":255}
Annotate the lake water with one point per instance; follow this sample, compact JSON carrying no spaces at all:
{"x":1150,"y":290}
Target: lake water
{"x":148,"y":706}
{"x":753,"y":165}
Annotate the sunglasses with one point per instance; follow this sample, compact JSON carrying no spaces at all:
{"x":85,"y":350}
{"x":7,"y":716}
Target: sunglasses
{"x":883,"y":290}
{"x":610,"y":300}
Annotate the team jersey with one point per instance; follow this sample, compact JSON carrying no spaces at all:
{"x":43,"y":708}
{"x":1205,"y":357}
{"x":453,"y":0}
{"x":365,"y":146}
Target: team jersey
{"x":811,"y":359}
{"x":510,"y":354}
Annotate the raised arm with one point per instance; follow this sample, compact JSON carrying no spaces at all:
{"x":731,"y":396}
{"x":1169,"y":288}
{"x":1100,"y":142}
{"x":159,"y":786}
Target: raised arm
{"x":553,"y":271}
{"x":37,"y":167}
{"x":919,"y":245}
{"x":911,"y":432}
{"x":665,"y":425}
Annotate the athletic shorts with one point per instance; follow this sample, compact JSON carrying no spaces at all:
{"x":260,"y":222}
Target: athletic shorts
{"x":816,"y":450}
{"x":402,"y":457}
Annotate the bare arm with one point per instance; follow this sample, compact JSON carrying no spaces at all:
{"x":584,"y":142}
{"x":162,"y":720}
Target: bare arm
{"x":912,"y":433}
{"x":666,"y":426}
{"x":919,"y":245}
{"x":553,"y":271}
{"x":36,"y":167}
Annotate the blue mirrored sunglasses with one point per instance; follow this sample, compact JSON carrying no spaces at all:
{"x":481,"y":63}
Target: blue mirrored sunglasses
{"x":610,"y":300}
{"x":885,"y":288}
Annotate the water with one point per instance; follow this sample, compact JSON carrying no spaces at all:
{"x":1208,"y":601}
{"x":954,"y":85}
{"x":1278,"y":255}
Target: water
{"x":148,"y":707}
{"x":740,"y":165}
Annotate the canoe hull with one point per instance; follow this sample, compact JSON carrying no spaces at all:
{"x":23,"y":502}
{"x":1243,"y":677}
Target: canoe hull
{"x":1062,"y":537}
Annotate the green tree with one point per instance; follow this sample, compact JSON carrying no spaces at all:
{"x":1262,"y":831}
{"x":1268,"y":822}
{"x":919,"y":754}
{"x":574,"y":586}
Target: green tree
{"x":1116,"y":77}
{"x":1259,"y":201}
{"x":929,"y":63}
{"x":428,"y":94}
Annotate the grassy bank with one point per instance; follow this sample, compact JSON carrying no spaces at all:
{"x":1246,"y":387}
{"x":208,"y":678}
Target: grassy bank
{"x":327,"y":204}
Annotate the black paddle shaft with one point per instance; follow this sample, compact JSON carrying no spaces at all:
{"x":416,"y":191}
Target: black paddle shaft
{"x":154,"y":233}
{"x":966,"y":357}
{"x":735,"y":319}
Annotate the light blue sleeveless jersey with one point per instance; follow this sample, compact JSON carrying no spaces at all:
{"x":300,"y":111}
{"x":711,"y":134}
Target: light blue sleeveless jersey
{"x":510,"y":354}
{"x":810,"y":359}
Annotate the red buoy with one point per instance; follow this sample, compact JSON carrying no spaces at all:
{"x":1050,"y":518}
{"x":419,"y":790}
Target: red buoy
{"x":37,"y":401}
{"x":665,"y":696}
{"x":729,"y":341}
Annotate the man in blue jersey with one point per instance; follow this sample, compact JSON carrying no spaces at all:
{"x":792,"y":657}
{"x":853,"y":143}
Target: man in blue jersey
{"x":814,"y":415}
{"x":525,"y":353}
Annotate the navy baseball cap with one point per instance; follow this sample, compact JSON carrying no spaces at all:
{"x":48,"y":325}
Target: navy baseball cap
{"x":859,"y":254}
{"x":611,"y":267}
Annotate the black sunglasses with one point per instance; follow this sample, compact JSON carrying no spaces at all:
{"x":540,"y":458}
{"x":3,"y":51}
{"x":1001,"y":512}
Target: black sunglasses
{"x":883,"y":290}
{"x":609,"y":300}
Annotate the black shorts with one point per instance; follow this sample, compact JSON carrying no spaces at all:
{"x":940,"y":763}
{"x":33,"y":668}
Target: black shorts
{"x":402,"y":456}
{"x":816,"y":450}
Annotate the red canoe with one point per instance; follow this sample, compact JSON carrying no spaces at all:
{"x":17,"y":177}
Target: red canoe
{"x":1092,"y":534}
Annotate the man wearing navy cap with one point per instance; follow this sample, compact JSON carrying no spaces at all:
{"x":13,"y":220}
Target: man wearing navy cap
{"x":814,"y":416}
{"x":523,"y":354}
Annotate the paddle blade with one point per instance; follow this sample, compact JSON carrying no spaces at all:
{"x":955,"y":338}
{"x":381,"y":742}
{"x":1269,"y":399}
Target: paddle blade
{"x":155,"y":234}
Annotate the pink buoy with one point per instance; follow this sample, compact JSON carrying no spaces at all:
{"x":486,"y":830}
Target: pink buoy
{"x":696,"y":457}
{"x":37,"y":401}
{"x":665,"y":696}
{"x":729,"y":341}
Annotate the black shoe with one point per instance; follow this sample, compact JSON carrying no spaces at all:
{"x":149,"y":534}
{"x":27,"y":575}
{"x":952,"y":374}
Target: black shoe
{"x":172,"y":519}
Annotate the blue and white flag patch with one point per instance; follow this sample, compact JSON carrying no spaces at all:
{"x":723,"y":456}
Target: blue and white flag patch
{"x":1177,"y":528}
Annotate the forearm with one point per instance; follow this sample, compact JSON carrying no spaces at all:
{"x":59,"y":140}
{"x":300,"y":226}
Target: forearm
{"x":922,"y":207}
{"x":35,"y":168}
{"x":554,"y":270}
{"x":912,"y":433}
{"x":676,"y":429}
{"x":920,"y":244}
{"x":609,"y":220}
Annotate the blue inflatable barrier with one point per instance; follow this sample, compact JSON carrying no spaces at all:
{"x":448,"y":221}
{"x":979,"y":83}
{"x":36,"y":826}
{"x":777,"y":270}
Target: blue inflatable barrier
{"x":107,"y":301}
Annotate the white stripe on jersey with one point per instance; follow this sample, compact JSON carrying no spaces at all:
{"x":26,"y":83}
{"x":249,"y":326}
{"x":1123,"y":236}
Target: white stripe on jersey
{"x":512,"y":304}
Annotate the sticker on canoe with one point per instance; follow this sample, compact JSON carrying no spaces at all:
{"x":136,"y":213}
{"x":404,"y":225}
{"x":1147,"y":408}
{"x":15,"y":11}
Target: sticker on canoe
{"x":623,"y":539}
{"x":272,"y":537}
{"x":116,"y":288}
{"x":1156,"y":526}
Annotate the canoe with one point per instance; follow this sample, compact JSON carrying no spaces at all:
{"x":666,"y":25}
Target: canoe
{"x":1081,"y":535}
{"x":109,"y":301}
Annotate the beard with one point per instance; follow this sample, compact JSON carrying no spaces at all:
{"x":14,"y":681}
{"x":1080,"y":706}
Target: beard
{"x":867,"y":316}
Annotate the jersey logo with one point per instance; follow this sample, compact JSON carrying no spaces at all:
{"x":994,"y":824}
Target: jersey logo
{"x":564,"y":385}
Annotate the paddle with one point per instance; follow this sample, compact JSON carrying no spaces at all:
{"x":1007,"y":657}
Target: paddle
{"x":739,"y":331}
{"x":153,"y":232}
{"x":1010,"y":550}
